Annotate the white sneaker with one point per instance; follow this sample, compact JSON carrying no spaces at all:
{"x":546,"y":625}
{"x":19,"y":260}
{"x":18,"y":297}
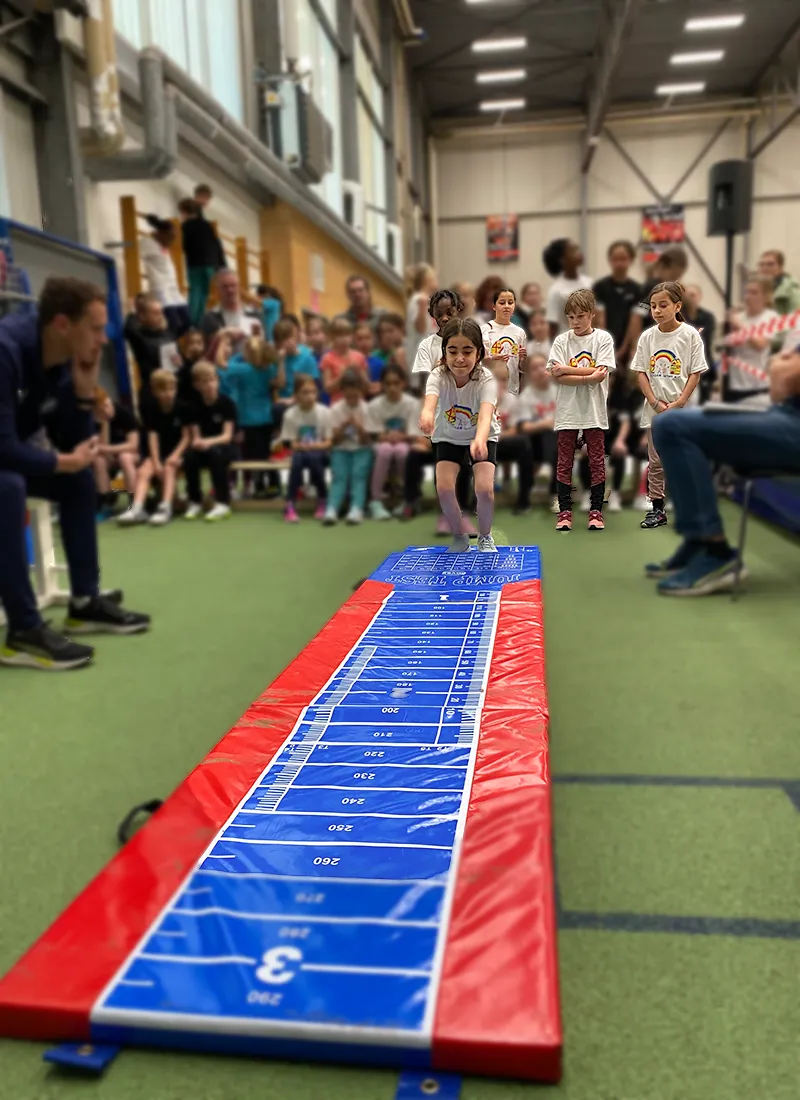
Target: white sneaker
{"x":378,"y":510}
{"x":193,"y":511}
{"x":614,"y":502}
{"x":132,"y":516}
{"x":218,"y":512}
{"x":330,"y":518}
{"x":643,"y":503}
{"x":555,"y":508}
{"x":486,"y":544}
{"x":162,"y":516}
{"x":354,"y":517}
{"x":586,"y":502}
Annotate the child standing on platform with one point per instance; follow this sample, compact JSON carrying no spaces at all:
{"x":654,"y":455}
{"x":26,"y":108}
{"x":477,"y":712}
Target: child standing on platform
{"x":392,"y":419}
{"x":351,"y":450}
{"x":580,"y":360}
{"x":460,"y":415}
{"x":503,"y":341}
{"x":668,"y":362}
{"x":306,"y":429}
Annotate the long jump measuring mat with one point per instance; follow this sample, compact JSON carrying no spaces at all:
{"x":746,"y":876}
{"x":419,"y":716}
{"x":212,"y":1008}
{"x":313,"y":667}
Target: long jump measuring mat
{"x":361,"y":871}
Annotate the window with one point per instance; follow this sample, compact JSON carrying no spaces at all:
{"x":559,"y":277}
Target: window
{"x":319,"y":59}
{"x":371,"y":150}
{"x":202,"y":36}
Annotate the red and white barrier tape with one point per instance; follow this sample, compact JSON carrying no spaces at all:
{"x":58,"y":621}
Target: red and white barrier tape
{"x":766,"y":328}
{"x":729,"y":361}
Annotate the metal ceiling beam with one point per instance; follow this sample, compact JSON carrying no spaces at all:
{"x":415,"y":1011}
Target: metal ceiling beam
{"x":776,"y":131}
{"x":620,"y":16}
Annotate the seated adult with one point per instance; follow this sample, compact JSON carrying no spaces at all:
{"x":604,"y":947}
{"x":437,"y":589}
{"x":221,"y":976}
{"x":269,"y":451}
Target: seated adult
{"x":231,"y":312}
{"x":689,"y":441}
{"x":49,"y":365}
{"x":151,"y":340}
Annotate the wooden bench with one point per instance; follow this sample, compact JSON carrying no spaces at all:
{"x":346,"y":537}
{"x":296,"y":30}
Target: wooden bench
{"x":257,"y":467}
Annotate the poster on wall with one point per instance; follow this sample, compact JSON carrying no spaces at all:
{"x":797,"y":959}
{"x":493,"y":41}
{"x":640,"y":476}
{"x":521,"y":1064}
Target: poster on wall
{"x":502,"y":238}
{"x":662,"y":226}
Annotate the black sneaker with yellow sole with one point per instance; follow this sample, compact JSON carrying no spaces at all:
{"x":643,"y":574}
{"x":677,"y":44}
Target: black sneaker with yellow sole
{"x":104,"y":616}
{"x":44,"y":649}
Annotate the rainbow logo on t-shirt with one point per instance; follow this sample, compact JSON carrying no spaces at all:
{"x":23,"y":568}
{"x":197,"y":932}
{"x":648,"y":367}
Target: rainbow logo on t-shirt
{"x":583,"y":359}
{"x":505,"y":345}
{"x":461,"y":417}
{"x":664,"y":362}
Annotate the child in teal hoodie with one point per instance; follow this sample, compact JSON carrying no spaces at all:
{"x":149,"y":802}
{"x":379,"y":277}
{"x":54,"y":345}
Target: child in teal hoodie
{"x":251,"y":377}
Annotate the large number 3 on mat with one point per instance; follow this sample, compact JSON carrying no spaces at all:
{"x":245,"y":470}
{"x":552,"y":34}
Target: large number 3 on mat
{"x":273,"y":969}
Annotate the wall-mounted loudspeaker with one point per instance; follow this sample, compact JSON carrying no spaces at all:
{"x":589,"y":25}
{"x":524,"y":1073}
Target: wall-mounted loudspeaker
{"x":730,"y":197}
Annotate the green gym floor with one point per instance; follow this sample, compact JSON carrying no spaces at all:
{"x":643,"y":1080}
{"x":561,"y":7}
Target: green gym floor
{"x":655,"y":1007}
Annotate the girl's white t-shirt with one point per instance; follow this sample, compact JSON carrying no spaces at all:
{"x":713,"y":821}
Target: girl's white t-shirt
{"x":507,"y":411}
{"x":457,"y":409}
{"x":300,"y":426}
{"x":428,"y":354}
{"x":339,"y":415}
{"x":534,"y":404}
{"x":582,"y":406}
{"x":507,"y":340}
{"x":668,"y":358}
{"x":740,"y":379}
{"x":384,"y":415}
{"x":414,"y":338}
{"x":560,"y":290}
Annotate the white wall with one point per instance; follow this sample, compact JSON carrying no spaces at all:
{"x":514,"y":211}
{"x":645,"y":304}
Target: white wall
{"x":19,"y":185}
{"x":538,"y":177}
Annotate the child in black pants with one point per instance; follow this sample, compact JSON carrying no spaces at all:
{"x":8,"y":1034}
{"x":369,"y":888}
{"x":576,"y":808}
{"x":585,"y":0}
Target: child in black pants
{"x":212,"y":418}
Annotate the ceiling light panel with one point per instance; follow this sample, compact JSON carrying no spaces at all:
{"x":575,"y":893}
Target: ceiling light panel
{"x":697,"y":57}
{"x":502,"y":104}
{"x":500,"y":76}
{"x":689,"y":88}
{"x":496,"y":45}
{"x":714,"y":22}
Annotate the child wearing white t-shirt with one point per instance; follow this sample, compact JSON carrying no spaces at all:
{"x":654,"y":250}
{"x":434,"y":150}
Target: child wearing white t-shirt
{"x":668,"y":362}
{"x":563,"y":259}
{"x":504,"y":342}
{"x":459,"y":414}
{"x":580,"y":360}
{"x":748,"y":363}
{"x":392,"y":420}
{"x":444,"y":306}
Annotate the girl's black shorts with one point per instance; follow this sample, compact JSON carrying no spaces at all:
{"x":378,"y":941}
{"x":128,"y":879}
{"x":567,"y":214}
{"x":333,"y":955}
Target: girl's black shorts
{"x":460,"y":453}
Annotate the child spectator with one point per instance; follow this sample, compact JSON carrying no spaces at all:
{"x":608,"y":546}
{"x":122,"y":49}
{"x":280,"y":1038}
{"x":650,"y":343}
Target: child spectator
{"x":118,"y":449}
{"x":192,"y":349}
{"x":306,"y":429}
{"x":364,"y":339}
{"x":390,"y":339}
{"x":167,"y":439}
{"x":296,"y":358}
{"x":619,"y":295}
{"x":668,"y":363}
{"x":204,"y":255}
{"x":580,"y":361}
{"x":392,"y":420}
{"x":513,"y":444}
{"x":504,"y":342}
{"x":252,"y":376}
{"x":212,"y":419}
{"x":539,"y":341}
{"x":271,"y":308}
{"x":536,"y":410}
{"x":616,"y":442}
{"x":318,"y":334}
{"x":563,"y":260}
{"x":740,"y":383}
{"x":351,"y":451}
{"x":162,"y":278}
{"x":339,"y":358}
{"x":444,"y":306}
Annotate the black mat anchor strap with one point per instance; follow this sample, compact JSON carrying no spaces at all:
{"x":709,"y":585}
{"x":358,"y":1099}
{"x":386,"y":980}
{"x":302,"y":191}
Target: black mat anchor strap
{"x":129,"y":824}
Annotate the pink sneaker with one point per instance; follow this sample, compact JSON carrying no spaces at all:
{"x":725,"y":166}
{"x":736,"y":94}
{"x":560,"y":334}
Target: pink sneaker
{"x":290,"y":514}
{"x":442,"y":527}
{"x":320,"y":512}
{"x":468,"y":527}
{"x":596,"y":521}
{"x":564,"y":521}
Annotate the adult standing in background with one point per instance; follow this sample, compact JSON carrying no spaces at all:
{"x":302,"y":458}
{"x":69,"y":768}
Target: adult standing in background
{"x":563,"y":260}
{"x":786,"y":292}
{"x":361,"y":309}
{"x":162,"y":278}
{"x":706,"y":324}
{"x":484,"y":298}
{"x":231,"y":312}
{"x":421,"y":284}
{"x":49,"y":367}
{"x":619,"y":294}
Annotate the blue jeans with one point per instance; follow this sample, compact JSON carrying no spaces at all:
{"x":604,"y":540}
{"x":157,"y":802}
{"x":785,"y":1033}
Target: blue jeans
{"x":689,"y":440}
{"x":349,"y":477}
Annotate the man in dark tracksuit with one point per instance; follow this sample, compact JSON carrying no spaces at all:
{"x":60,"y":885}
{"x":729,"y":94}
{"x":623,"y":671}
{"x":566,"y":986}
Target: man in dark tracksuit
{"x":49,"y":365}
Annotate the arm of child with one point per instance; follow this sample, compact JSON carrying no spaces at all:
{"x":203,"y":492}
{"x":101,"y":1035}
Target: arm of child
{"x":686,"y":392}
{"x":176,"y":457}
{"x":651,"y":399}
{"x":154,"y":449}
{"x":428,"y":415}
{"x":478,"y":447}
{"x":697,"y":366}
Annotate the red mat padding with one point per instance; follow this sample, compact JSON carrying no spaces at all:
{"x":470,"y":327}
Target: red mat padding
{"x":498,"y":1008}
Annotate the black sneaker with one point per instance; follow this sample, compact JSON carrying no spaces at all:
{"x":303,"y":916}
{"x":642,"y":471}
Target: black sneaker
{"x":116,"y":595}
{"x":656,"y":518}
{"x":44,"y":649}
{"x":104,"y":616}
